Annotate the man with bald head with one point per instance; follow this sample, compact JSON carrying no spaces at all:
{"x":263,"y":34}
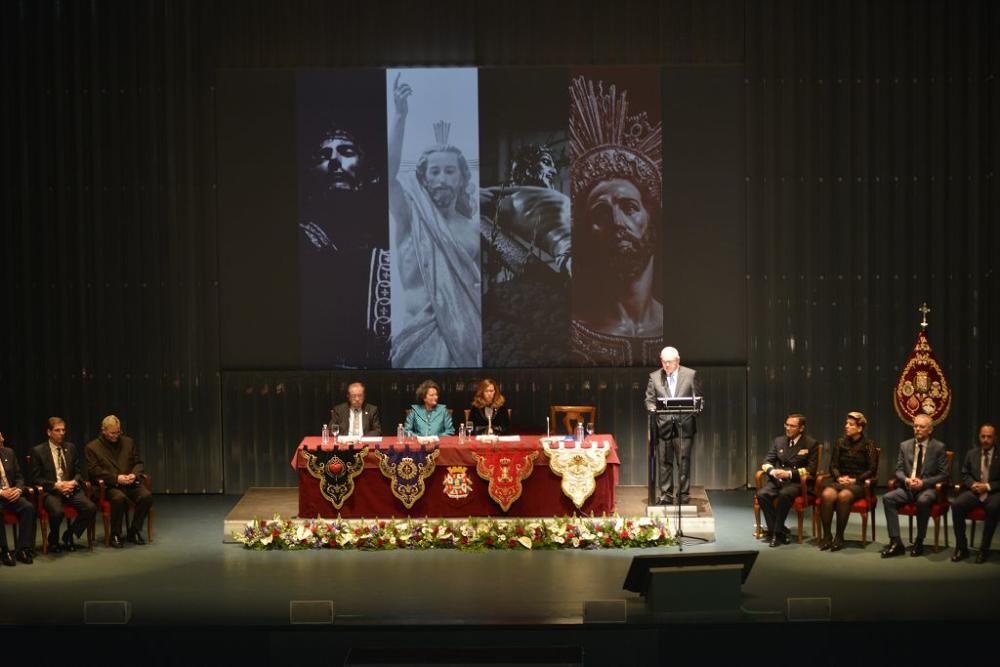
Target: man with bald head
{"x":674,"y":433}
{"x":356,"y":417}
{"x":981,"y":488}
{"x":113,"y":459}
{"x":921,"y":464}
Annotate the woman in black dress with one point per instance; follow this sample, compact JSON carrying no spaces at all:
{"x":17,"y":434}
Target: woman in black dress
{"x":488,"y":414}
{"x":852,"y":462}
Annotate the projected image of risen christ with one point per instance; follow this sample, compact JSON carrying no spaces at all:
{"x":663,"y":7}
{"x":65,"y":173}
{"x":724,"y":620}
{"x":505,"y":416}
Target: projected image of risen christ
{"x":435,"y":250}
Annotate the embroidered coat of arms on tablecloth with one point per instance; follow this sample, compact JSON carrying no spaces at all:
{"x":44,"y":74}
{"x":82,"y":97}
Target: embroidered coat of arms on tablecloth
{"x":336,"y":471}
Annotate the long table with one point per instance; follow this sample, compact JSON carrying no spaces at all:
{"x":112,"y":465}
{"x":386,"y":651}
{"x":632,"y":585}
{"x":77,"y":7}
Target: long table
{"x":542,"y":495}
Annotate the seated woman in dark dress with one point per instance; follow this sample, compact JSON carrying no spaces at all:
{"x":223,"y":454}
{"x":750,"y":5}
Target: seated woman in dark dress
{"x":488,"y":415}
{"x":852,"y":462}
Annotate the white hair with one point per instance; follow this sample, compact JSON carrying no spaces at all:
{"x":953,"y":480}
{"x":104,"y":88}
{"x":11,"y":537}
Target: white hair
{"x":669,"y":354}
{"x":109,"y":421}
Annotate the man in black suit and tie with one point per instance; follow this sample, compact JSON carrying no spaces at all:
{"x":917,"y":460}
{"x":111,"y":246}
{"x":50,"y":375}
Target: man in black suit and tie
{"x":674,"y":433}
{"x":981,"y":482}
{"x":921,"y":464}
{"x":56,"y":468}
{"x":355,"y":417}
{"x":791,"y":457}
{"x":12,"y":499}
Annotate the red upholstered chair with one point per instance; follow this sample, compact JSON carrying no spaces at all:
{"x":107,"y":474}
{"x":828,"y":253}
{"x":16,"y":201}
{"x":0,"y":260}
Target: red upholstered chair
{"x":865,"y":506}
{"x":10,"y":519}
{"x":938,"y":509}
{"x":104,"y":507}
{"x":68,"y":511}
{"x":977,"y":514}
{"x":802,"y":502}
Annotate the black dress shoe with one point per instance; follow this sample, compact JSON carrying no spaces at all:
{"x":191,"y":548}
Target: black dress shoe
{"x":837,"y":544}
{"x":116,"y":542}
{"x":136,"y":538}
{"x":55,"y":549}
{"x":983,"y":556}
{"x":779,"y":539}
{"x":894,"y":548}
{"x":7,"y":558}
{"x":24,"y":556}
{"x":68,"y":541}
{"x":69,"y":546}
{"x":917,"y":549}
{"x":961,"y":553}
{"x":823,"y":544}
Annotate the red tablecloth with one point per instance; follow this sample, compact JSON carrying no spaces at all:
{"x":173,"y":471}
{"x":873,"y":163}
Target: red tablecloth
{"x":541,"y":495}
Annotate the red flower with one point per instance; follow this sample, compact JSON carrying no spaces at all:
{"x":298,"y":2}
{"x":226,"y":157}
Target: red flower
{"x":512,"y":542}
{"x":465,"y":540}
{"x":520,"y":530}
{"x":489,"y":540}
{"x":381,"y":524}
{"x":607,"y":540}
{"x":381,"y":541}
{"x":357,"y":531}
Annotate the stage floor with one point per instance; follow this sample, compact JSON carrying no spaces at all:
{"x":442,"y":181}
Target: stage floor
{"x":697,"y":518}
{"x":189,"y":577}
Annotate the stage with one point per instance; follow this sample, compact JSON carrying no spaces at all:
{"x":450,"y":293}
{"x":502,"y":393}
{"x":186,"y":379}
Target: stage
{"x":697,"y":519}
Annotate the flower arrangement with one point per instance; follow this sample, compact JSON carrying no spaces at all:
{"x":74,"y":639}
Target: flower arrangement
{"x":472,"y":534}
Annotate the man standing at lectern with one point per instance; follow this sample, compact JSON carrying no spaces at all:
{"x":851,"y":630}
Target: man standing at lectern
{"x":674,"y":433}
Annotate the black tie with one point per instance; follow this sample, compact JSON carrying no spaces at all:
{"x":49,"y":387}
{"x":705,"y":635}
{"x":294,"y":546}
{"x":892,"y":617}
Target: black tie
{"x":920,"y":460}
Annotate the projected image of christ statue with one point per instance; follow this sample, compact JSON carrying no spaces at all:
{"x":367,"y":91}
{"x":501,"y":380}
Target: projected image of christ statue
{"x":434,"y":222}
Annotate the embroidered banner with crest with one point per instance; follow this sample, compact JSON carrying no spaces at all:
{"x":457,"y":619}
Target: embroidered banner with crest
{"x":578,"y":468}
{"x":457,"y":483}
{"x":922,"y":387}
{"x":505,"y":469}
{"x":336,"y":471}
{"x":407,"y":471}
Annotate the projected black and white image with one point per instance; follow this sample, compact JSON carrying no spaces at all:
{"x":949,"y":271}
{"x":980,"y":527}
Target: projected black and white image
{"x":433,"y":146}
{"x":525,"y":212}
{"x":343,"y":233}
{"x":616,"y":155}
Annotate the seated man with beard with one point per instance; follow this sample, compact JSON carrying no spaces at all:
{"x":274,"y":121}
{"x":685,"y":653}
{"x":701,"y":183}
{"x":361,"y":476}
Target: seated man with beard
{"x":617,"y":321}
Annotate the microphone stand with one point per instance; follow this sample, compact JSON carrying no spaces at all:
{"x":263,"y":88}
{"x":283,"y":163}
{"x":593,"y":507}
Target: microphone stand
{"x":692,"y":406}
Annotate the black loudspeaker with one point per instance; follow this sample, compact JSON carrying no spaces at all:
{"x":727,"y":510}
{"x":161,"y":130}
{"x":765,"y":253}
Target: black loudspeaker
{"x":699,"y":583}
{"x":310,"y":612}
{"x":107,"y":612}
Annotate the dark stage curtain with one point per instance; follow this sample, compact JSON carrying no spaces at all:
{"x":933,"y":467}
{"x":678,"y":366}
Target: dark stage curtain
{"x":872,"y":147}
{"x":108,"y":247}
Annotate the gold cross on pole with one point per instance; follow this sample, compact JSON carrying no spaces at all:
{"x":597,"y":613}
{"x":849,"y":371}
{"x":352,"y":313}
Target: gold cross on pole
{"x":923,"y":310}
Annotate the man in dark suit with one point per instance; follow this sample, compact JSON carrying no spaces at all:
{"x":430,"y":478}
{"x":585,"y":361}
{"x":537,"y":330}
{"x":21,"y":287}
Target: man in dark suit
{"x":355,"y":417}
{"x":981,"y":482}
{"x":56,"y":468}
{"x":792,"y":457}
{"x":674,"y":433}
{"x":921,"y":464}
{"x":113,"y":459}
{"x":12,"y":499}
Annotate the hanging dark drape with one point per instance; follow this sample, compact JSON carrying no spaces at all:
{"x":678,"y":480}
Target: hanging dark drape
{"x":871,"y":187}
{"x":109,"y":237}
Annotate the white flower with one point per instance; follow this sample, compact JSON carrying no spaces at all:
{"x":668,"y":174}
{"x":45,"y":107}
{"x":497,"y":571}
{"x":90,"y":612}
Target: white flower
{"x":575,"y":542}
{"x":266,"y":539}
{"x":525,"y":541}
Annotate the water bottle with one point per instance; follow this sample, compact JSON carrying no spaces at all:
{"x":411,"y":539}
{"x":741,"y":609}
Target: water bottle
{"x":399,"y":433}
{"x":461,"y":434}
{"x":579,"y":433}
{"x":326,"y":435}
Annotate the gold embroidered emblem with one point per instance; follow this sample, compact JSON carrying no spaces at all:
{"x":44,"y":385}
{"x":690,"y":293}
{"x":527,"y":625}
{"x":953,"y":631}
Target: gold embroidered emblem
{"x":336,"y":475}
{"x":578,"y":469}
{"x":407,"y":471}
